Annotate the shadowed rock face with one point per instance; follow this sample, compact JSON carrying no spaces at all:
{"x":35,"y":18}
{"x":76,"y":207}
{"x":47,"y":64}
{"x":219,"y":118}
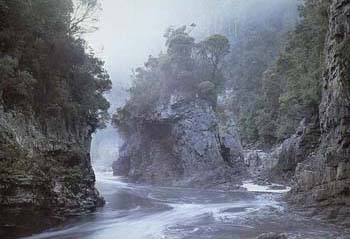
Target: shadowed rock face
{"x":181,"y":144}
{"x":45,"y":171}
{"x":323,"y":181}
{"x":280,"y":163}
{"x":296,"y":149}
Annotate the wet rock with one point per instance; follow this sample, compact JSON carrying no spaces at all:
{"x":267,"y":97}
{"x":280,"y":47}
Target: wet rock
{"x":121,"y":167}
{"x":273,"y":235}
{"x":181,"y":143}
{"x":259,"y":163}
{"x":277,"y":187}
{"x":45,"y":172}
{"x":279,"y":164}
{"x":322,"y":181}
{"x":296,"y":149}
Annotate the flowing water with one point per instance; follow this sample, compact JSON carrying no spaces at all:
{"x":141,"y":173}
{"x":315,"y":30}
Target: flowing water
{"x":147,"y":212}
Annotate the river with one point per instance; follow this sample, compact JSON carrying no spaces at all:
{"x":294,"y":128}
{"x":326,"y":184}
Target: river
{"x":147,"y":212}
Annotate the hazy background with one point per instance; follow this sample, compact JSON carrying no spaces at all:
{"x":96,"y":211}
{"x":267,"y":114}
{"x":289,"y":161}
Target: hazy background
{"x":131,"y":30}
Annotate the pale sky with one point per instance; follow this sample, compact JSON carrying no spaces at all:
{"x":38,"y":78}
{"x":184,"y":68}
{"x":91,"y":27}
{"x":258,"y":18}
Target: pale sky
{"x":130,"y":30}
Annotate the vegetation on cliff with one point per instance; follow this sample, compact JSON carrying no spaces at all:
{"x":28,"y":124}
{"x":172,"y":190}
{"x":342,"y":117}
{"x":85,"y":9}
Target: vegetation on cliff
{"x":51,"y":101}
{"x":271,"y":76}
{"x":191,"y":69}
{"x":290,"y":89}
{"x":45,"y":65}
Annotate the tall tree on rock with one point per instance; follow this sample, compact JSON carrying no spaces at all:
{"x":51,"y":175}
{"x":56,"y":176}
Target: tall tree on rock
{"x":213,"y":49}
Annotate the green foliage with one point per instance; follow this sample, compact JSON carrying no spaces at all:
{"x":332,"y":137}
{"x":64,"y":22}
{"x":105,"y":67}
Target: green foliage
{"x":300,"y":68}
{"x":254,"y":49}
{"x":45,"y":67}
{"x":290,"y":89}
{"x":212,"y":51}
{"x":343,"y":51}
{"x":187,"y":69}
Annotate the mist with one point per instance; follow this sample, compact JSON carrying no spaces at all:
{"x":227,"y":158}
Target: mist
{"x":129,"y":31}
{"x":174,"y":119}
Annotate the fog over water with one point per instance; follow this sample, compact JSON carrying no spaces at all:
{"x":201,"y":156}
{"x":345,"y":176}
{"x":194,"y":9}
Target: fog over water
{"x":131,"y":30}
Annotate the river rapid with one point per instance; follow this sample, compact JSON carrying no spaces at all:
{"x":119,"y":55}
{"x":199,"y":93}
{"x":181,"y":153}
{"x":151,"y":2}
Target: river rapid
{"x":148,"y":212}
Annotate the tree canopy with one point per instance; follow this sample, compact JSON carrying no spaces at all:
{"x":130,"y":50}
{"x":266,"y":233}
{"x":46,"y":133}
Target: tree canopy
{"x":188,"y":68}
{"x":46,"y":66}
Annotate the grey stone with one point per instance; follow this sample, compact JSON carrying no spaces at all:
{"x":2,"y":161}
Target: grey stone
{"x":181,"y":143}
{"x":322,"y":181}
{"x":44,"y":169}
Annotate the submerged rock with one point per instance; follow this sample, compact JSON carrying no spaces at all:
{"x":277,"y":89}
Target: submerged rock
{"x":273,"y":235}
{"x":181,"y":144}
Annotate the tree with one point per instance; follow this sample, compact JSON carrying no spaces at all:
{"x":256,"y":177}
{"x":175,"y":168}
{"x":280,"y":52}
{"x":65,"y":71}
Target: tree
{"x":45,"y":65}
{"x":181,"y":72}
{"x":214,"y":49}
{"x":291,"y":88}
{"x":84,"y":17}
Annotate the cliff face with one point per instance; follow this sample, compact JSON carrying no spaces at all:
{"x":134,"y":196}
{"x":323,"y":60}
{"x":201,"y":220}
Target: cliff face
{"x":45,"y":171}
{"x":181,"y":143}
{"x":323,"y":180}
{"x":51,"y":101}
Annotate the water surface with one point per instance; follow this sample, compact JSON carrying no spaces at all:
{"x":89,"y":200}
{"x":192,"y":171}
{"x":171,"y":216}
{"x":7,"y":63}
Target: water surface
{"x":146,"y":212}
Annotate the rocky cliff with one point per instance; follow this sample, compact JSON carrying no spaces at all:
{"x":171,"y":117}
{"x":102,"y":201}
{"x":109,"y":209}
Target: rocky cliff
{"x":182,"y":143}
{"x":45,"y":171}
{"x":280,"y":162}
{"x":51,"y":101}
{"x":175,"y":129}
{"x":323,"y":180}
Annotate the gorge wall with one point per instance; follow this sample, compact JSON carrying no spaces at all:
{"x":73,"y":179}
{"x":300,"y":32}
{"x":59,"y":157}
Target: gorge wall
{"x":322,"y":181}
{"x":51,"y":101}
{"x":44,"y":176}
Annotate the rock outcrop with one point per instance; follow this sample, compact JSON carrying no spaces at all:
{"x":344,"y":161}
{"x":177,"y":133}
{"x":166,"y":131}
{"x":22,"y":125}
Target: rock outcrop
{"x":45,"y":171}
{"x":181,"y":143}
{"x":279,"y":164}
{"x":323,"y":180}
{"x":296,"y":149}
{"x":259,"y":163}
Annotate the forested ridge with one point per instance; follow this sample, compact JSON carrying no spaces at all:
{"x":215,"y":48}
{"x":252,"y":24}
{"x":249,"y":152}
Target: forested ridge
{"x":290,"y":88}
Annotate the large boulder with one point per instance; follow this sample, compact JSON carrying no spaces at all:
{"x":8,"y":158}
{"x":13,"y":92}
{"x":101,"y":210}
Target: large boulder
{"x":180,"y":144}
